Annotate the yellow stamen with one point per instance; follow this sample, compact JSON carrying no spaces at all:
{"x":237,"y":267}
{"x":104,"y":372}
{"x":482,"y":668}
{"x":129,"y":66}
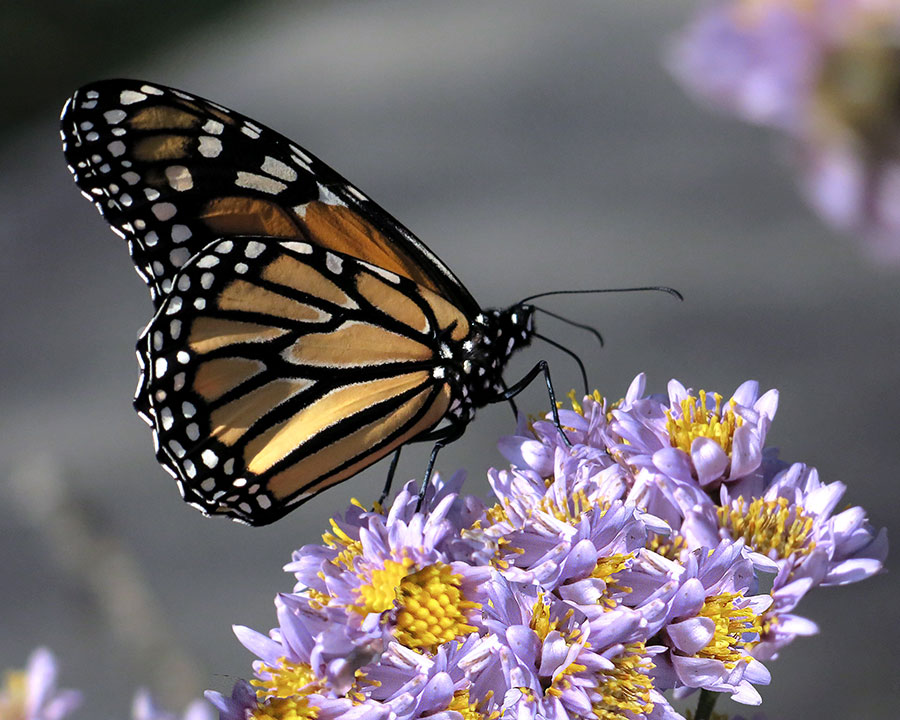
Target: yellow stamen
{"x":570,"y":509}
{"x":626,"y":688}
{"x":339,"y":539}
{"x":670,"y":547}
{"x":769,"y":525}
{"x":605,"y":569}
{"x":697,"y":420}
{"x":469,"y":710}
{"x":283,"y":695}
{"x":379,"y":594}
{"x":733,"y":626}
{"x":432,"y":609}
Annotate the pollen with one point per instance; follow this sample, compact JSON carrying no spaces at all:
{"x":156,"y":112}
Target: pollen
{"x":467,"y":709}
{"x":606,"y":569}
{"x":283,"y":694}
{"x":381,"y":591}
{"x":736,"y":628}
{"x":336,"y":539}
{"x":543,"y":625}
{"x":769,"y":526}
{"x":570,"y":509}
{"x":597,"y":397}
{"x":697,"y":420}
{"x":432,"y":608}
{"x":669,"y":547}
{"x":625,"y":689}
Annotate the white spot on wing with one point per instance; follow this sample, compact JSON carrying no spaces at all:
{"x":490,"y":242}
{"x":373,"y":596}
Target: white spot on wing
{"x":254,"y":249}
{"x":113,"y":117}
{"x":300,"y":247}
{"x":210,"y":147}
{"x":213,"y":127}
{"x":179,"y":178}
{"x":130,"y":97}
{"x":163,"y":211}
{"x":261,"y":183}
{"x":328,"y":197}
{"x":278,"y":169}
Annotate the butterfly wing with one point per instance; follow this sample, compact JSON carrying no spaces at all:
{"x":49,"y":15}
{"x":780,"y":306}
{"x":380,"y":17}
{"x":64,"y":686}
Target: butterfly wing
{"x":275,"y":369}
{"x":171,"y":172}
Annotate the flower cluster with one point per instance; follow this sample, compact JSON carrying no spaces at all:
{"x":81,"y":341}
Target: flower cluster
{"x":31,"y":694}
{"x":611,"y":573}
{"x":827,"y":72}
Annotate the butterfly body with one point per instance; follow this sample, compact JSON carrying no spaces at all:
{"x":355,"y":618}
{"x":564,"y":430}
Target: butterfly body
{"x":300,"y":333}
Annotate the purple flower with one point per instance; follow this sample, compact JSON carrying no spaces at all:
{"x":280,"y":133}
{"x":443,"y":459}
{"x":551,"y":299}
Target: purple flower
{"x":698,"y":441}
{"x":712,"y":622}
{"x":32,"y":694}
{"x":825,"y":72}
{"x":603,"y":575}
{"x":553,"y":662}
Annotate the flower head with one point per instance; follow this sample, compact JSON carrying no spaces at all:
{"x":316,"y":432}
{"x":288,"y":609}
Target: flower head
{"x":32,"y":694}
{"x":601,"y":576}
{"x":827,"y":73}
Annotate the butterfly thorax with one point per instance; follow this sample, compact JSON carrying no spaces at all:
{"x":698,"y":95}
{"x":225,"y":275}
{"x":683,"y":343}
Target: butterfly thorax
{"x":496,"y":334}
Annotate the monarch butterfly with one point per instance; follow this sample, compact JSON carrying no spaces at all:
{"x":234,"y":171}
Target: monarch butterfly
{"x":300,"y":332}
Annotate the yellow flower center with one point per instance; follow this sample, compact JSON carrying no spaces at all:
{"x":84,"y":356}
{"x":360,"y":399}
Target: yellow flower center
{"x":570,"y":509}
{"x":670,"y":547}
{"x":598,"y":398}
{"x":381,"y":591}
{"x":769,"y":525}
{"x":733,"y":626}
{"x":337,"y":538}
{"x":605,"y":569}
{"x":697,"y":420}
{"x":283,"y":695}
{"x":543,"y":626}
{"x":432,"y":609}
{"x":469,"y":710}
{"x":14,"y":696}
{"x":626,"y":688}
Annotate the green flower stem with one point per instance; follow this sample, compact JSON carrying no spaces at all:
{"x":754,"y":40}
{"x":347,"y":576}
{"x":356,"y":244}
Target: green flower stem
{"x":705,"y":705}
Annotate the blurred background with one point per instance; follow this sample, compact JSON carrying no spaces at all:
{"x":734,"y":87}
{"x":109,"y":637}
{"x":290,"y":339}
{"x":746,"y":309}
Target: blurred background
{"x":534,"y":146}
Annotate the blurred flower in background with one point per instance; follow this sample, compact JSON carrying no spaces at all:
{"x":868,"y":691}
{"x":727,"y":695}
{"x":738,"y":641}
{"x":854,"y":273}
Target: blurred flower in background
{"x":827,"y":73}
{"x":31,"y":694}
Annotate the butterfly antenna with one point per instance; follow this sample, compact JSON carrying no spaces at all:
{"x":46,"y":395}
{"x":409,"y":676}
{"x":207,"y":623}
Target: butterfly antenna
{"x":570,"y":354}
{"x":594,"y":331}
{"x":655,"y":288}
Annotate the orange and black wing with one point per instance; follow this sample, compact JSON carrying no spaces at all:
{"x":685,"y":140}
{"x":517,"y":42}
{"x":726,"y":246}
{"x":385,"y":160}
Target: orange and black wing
{"x":274,"y":369}
{"x":172,"y":172}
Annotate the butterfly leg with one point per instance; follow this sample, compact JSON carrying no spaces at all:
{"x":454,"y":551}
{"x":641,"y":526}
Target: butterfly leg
{"x":390,"y":476}
{"x":441,"y":438}
{"x":541,"y":368}
{"x":512,"y":403}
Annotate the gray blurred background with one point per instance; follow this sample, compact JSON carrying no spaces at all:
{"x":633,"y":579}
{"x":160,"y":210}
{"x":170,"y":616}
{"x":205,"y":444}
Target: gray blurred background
{"x":534,"y":146}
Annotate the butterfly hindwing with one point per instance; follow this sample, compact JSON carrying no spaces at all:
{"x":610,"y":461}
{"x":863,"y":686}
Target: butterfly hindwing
{"x":274,"y":369}
{"x":171,"y":172}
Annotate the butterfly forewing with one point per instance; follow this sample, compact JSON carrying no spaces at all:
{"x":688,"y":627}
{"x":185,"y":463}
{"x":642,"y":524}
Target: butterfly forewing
{"x":301,"y":333}
{"x":171,"y":172}
{"x":274,"y":369}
